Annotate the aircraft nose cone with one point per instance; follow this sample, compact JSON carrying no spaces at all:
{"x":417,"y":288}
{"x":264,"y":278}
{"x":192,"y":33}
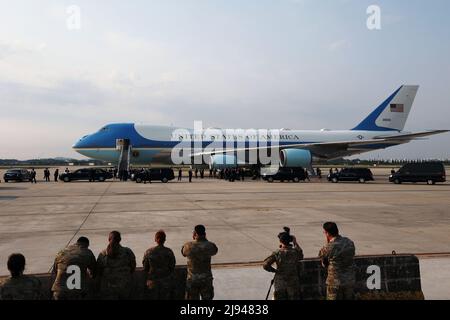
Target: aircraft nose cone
{"x":80,"y":143}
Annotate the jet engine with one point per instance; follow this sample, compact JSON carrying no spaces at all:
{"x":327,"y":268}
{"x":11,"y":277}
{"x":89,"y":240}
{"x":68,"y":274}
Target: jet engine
{"x":293,"y":158}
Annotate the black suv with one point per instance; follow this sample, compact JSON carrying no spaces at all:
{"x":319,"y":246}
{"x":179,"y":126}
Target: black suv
{"x":86,"y":174}
{"x":285,"y":174}
{"x":17,"y":175}
{"x":163,"y":175}
{"x":429,"y":172}
{"x":351,"y":174}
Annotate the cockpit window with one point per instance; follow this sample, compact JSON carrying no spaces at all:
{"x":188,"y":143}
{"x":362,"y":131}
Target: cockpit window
{"x":104,"y":128}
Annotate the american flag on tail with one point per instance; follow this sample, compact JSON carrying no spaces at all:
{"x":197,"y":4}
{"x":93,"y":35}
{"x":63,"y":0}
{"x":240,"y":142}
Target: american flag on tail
{"x":396,"y":107}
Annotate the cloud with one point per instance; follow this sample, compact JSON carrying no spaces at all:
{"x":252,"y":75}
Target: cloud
{"x":14,"y":48}
{"x":157,"y":63}
{"x":339,"y":45}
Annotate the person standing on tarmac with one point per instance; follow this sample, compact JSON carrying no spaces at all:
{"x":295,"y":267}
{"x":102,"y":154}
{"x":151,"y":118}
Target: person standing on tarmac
{"x":115,"y":268}
{"x":190,"y":175}
{"x":19,"y":286}
{"x":199,"y":283}
{"x":33,"y":176}
{"x":56,"y":175}
{"x":337,"y":256}
{"x":319,"y":173}
{"x":47,"y":175}
{"x":159,"y":266}
{"x":286,"y":258}
{"x":180,"y":174}
{"x":78,"y":255}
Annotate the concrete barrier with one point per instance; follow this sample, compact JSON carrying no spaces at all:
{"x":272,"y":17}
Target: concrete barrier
{"x":398,"y":275}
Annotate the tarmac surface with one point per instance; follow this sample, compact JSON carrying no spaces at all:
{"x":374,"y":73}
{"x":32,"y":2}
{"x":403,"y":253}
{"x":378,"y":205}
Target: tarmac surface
{"x":242,"y":218}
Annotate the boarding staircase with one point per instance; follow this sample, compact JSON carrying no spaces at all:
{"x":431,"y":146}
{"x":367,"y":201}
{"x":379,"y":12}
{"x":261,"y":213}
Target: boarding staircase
{"x":125,"y":155}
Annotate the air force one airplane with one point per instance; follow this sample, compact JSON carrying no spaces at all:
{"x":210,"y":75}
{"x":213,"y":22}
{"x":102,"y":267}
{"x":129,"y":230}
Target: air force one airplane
{"x":147,"y":144}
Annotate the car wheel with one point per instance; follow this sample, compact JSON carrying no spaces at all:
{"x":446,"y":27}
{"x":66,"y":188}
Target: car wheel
{"x":430,"y":182}
{"x":66,"y":179}
{"x":270,"y":179}
{"x":164,"y":180}
{"x":138,"y":180}
{"x":335,"y":180}
{"x":397,"y":181}
{"x":296,"y":179}
{"x":6,"y":181}
{"x":362,"y":180}
{"x":101,"y":179}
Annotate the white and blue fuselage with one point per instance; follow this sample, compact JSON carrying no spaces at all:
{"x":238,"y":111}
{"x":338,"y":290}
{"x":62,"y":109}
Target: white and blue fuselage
{"x":155,"y":144}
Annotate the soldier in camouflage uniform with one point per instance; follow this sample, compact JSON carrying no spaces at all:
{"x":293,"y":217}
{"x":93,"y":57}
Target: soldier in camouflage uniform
{"x":19,"y":286}
{"x":287,"y":258}
{"x":159,"y":265}
{"x":337,"y":256}
{"x":199,"y":276}
{"x":115,"y":268}
{"x":75,"y":255}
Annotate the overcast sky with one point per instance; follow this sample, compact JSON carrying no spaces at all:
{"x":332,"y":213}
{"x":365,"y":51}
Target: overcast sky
{"x":303,"y":64}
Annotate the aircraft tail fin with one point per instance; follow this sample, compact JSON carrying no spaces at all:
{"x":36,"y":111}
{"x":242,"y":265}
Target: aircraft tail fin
{"x":392,"y":114}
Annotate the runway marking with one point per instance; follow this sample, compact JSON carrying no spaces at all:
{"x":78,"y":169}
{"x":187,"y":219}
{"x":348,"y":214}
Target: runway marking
{"x":85,"y":219}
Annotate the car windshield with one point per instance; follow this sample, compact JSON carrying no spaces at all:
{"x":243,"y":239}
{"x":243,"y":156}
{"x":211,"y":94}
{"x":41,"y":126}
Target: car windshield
{"x":13,"y":171}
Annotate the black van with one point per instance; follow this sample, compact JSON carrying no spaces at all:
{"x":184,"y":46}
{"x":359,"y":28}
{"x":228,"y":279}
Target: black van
{"x":86,"y":174}
{"x":284,"y":174}
{"x":429,"y":172}
{"x":164,"y":175}
{"x":351,"y":174}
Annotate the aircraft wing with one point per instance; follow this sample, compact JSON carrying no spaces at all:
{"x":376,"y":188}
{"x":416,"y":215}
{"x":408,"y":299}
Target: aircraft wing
{"x":335,"y":149}
{"x":412,"y":136}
